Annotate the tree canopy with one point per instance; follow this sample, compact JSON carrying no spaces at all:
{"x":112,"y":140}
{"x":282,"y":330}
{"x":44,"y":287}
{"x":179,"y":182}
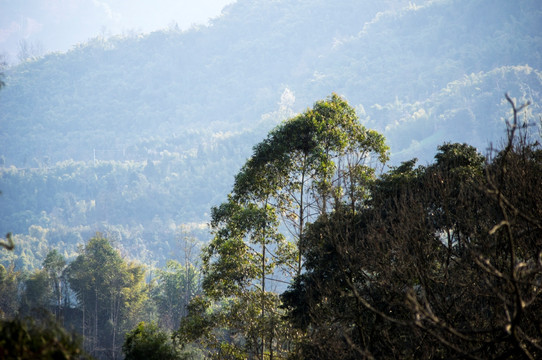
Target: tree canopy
{"x":304,"y":167}
{"x":110,"y":293}
{"x":444,"y":262}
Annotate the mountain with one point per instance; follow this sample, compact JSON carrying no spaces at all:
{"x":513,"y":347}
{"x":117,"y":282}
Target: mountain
{"x":143,"y":134}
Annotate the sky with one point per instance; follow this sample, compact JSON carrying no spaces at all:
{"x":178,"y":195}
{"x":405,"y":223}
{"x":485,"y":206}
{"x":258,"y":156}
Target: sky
{"x":57,"y":25}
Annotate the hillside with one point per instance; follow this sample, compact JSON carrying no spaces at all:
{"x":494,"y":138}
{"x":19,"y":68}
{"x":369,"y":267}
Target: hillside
{"x":138,"y":136}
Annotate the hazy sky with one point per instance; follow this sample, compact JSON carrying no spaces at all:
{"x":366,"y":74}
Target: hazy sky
{"x":57,"y":25}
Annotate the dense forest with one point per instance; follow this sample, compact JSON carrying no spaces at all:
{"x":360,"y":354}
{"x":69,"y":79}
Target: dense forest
{"x":137,"y":137}
{"x":175,"y":194}
{"x":317,"y":255}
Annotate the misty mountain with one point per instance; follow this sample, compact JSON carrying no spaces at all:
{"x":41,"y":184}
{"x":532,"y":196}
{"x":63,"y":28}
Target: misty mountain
{"x":187,"y":106}
{"x":114,"y":92}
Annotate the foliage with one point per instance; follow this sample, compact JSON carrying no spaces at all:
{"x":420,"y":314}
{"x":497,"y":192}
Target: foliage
{"x":443,"y":262}
{"x":230,"y":264}
{"x":110,"y":293}
{"x":60,"y":205}
{"x":9,"y":280}
{"x":303,"y":166}
{"x":234,"y":327}
{"x":425,"y":261}
{"x":173,"y":147}
{"x":312,"y":48}
{"x":37,"y":293}
{"x":44,"y":288}
{"x":147,"y":341}
{"x":54,"y":264}
{"x":28,"y":339}
{"x":177,"y":285}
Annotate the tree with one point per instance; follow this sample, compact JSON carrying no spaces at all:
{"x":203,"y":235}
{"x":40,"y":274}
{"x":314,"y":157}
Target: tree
{"x":9,"y":244}
{"x":29,"y":50}
{"x":309,"y":162}
{"x":177,"y":285}
{"x":359,"y":264}
{"x":9,"y":281}
{"x":28,"y":339}
{"x":304,"y":166}
{"x":442,"y":262}
{"x":109,"y":292}
{"x":54,"y":264}
{"x":38,"y":292}
{"x":148,"y":342}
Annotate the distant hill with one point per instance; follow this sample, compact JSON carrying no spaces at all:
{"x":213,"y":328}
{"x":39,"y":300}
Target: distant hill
{"x":175,"y":114}
{"x":111,"y":93}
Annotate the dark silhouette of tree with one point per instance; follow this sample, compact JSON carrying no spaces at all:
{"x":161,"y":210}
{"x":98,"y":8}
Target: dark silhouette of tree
{"x":28,"y":339}
{"x":9,"y":244}
{"x":441,"y":262}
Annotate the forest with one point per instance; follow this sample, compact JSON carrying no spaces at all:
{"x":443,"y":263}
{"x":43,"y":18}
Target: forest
{"x":296,"y":180}
{"x":139,"y":136}
{"x":317,"y":254}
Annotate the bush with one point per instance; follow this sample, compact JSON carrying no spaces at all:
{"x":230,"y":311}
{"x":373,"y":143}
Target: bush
{"x":147,"y":341}
{"x":29,"y":339}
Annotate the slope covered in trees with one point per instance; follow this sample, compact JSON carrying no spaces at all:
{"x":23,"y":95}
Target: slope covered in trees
{"x":441,"y":261}
{"x":109,"y":94}
{"x":98,"y":297}
{"x":444,"y":261}
{"x":139,"y":136}
{"x":438,"y":261}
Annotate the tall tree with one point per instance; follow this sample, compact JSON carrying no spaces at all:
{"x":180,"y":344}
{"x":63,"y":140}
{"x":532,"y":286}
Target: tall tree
{"x":443,"y":262}
{"x":54,"y":264}
{"x":177,"y":285}
{"x":303,"y":167}
{"x":37,"y":293}
{"x":319,"y":157}
{"x":9,"y":281}
{"x":110,"y":293}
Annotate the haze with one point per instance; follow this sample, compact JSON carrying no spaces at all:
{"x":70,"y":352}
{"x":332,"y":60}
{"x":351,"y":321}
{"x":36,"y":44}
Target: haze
{"x":57,"y":25}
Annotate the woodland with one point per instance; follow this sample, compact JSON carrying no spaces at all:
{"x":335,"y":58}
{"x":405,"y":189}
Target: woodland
{"x":297,"y":180}
{"x":438,"y":261}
